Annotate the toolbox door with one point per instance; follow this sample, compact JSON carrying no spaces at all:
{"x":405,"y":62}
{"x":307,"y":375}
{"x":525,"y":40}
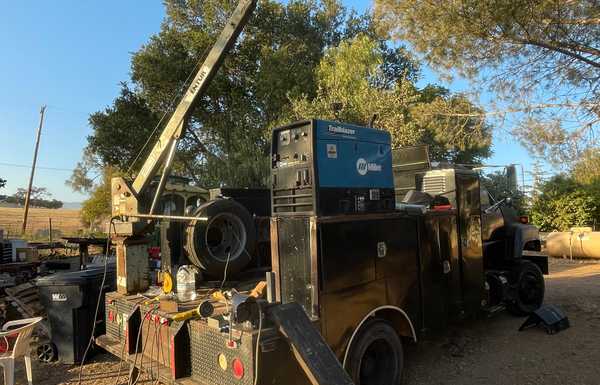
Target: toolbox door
{"x":470,"y":245}
{"x":294,"y":260}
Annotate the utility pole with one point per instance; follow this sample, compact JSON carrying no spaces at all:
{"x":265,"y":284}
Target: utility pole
{"x":35,"y":154}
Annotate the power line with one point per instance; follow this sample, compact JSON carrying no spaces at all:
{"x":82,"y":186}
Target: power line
{"x":37,"y":167}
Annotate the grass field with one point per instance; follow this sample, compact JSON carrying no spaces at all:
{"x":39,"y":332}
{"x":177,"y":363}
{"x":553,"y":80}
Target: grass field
{"x":64,"y":222}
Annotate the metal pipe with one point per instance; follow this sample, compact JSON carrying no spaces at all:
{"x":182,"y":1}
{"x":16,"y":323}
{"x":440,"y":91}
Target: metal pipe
{"x":169,"y":217}
{"x":164,"y":176}
{"x":522,"y":176}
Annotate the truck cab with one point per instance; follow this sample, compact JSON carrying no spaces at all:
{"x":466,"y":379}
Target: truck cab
{"x":503,"y":233}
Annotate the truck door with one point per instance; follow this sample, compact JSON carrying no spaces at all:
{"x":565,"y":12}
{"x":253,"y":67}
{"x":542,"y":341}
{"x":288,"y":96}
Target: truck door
{"x":470,"y":245}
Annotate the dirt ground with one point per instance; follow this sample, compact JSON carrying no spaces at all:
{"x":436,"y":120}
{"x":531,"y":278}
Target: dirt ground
{"x":486,"y":351}
{"x":493,"y":351}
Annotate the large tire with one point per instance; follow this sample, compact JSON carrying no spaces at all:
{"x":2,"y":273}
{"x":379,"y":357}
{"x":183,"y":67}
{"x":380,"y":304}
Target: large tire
{"x":376,"y":356}
{"x":226,"y":238}
{"x":529,"y":289}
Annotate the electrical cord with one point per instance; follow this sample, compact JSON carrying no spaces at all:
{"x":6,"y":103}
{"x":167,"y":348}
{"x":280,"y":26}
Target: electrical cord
{"x":159,"y":345}
{"x":225,"y":271}
{"x":152,"y":350}
{"x":121,"y":361}
{"x":149,"y":312}
{"x":260,"y":315}
{"x":123,"y":349}
{"x":100,"y":292}
{"x":243,"y":246}
{"x":137,"y":342}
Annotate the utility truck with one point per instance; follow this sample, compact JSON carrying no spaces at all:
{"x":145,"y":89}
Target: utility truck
{"x":357,"y":269}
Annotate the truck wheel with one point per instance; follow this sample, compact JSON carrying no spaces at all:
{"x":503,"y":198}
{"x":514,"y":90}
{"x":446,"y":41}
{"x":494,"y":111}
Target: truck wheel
{"x":376,"y":356}
{"x":226,"y":238}
{"x":529,"y":290}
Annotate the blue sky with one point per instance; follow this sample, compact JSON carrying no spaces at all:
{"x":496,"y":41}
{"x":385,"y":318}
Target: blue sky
{"x":71,"y":55}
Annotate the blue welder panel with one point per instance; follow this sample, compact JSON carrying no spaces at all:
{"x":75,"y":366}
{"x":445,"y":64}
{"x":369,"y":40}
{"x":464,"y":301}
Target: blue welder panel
{"x":350,"y":156}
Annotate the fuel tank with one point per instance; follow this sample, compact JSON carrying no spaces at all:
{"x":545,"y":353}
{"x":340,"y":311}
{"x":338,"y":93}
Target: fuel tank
{"x":580,"y":242}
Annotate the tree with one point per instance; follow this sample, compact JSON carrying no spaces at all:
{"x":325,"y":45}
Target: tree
{"x":353,"y":78}
{"x":564,"y":203}
{"x":587,"y":170}
{"x":97,"y":208}
{"x":541,"y":58}
{"x":40,"y":197}
{"x":37,"y":193}
{"x":227,"y":139}
{"x":2,"y":183}
{"x":497,"y":184}
{"x":117,"y":130}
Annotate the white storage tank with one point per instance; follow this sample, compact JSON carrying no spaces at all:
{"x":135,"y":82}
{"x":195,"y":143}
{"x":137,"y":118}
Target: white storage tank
{"x":579,"y":242}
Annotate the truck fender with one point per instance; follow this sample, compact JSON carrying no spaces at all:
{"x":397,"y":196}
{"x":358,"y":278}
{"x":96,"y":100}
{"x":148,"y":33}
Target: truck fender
{"x":521,"y":237}
{"x":397,"y":317}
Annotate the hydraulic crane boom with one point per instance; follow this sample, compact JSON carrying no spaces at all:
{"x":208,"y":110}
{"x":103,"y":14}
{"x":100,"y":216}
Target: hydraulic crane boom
{"x":131,"y":199}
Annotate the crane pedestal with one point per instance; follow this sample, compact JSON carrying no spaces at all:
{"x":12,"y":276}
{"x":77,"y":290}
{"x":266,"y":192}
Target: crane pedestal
{"x":132,"y":264}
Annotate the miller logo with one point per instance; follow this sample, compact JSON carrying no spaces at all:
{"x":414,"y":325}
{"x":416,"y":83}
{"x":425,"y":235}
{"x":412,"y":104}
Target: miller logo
{"x":363,"y":167}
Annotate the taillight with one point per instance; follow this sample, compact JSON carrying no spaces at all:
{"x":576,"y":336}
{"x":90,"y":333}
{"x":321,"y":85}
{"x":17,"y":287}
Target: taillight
{"x":442,"y":207}
{"x":524,"y":219}
{"x":238,"y":369}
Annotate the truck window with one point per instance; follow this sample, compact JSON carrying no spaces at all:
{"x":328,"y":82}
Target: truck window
{"x":485,"y":198}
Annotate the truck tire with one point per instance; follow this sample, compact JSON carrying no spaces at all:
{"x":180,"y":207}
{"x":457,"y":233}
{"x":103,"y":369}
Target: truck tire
{"x":225,"y":239}
{"x":376,"y":356}
{"x":529,"y":289}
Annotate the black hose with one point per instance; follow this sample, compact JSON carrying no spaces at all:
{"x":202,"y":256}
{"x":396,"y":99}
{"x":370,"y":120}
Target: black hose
{"x":110,"y":226}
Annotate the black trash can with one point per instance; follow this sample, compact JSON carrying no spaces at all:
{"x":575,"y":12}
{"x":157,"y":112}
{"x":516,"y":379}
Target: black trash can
{"x":70,"y":300}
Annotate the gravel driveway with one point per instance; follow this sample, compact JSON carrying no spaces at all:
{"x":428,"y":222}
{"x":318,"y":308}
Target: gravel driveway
{"x":487,"y":351}
{"x":493,"y":351}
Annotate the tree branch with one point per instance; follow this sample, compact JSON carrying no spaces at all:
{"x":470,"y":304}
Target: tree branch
{"x":190,"y":171}
{"x":201,"y":145}
{"x":559,"y":50}
{"x":582,"y":48}
{"x":590,"y":21}
{"x":516,"y":110}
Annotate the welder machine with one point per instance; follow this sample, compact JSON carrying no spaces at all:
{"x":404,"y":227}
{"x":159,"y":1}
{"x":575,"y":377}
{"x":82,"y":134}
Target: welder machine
{"x":328,"y":168}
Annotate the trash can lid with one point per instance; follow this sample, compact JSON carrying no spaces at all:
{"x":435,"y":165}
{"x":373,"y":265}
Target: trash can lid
{"x":76,"y":277}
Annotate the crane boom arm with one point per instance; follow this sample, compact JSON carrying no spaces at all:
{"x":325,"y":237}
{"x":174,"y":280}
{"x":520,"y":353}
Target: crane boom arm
{"x":175,"y":127}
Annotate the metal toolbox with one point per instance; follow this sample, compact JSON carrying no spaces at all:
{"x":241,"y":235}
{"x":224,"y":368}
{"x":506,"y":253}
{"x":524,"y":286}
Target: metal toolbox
{"x":123,"y":320}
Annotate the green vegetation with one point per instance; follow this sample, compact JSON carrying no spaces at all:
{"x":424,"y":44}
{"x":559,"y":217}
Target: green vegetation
{"x":352,"y":77}
{"x":587,"y":170}
{"x":572,"y":199}
{"x":564,"y":203}
{"x":97,"y":208}
{"x":540,"y":58}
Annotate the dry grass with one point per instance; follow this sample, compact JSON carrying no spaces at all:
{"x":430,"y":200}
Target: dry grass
{"x":64,"y":222}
